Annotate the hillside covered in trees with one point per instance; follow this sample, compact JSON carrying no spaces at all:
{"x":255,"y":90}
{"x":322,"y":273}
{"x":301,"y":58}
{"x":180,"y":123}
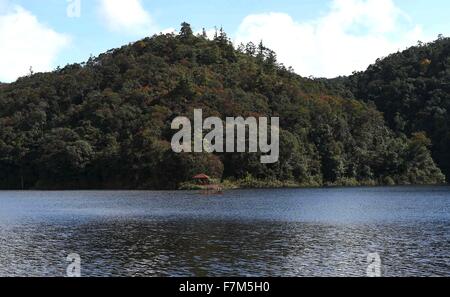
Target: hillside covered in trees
{"x":106,"y":123}
{"x":412,"y":89}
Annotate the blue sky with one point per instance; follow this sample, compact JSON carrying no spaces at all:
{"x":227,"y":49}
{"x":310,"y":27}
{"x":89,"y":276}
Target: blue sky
{"x":316,"y":37}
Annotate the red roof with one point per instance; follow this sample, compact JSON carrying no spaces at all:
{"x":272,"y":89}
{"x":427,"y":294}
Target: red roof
{"x":201,"y":176}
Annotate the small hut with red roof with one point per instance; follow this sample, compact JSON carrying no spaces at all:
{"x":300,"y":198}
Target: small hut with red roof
{"x":202,"y":179}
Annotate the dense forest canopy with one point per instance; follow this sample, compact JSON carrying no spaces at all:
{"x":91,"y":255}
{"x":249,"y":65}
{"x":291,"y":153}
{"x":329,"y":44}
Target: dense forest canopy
{"x":412,"y":89}
{"x":106,"y":123}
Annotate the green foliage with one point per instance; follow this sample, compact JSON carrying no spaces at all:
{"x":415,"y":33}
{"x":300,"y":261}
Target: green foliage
{"x":412,"y":89}
{"x":106,"y":123}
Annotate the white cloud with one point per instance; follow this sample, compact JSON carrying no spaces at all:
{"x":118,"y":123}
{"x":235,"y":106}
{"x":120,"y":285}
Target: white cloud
{"x":351,"y":36}
{"x":210,"y":33}
{"x":127,"y":17}
{"x":25,"y":42}
{"x":169,"y":31}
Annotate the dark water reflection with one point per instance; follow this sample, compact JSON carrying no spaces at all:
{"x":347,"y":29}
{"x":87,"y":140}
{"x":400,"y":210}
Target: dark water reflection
{"x":323,"y":232}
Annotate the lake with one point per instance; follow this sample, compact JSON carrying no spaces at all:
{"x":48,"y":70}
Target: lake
{"x":280,"y":232}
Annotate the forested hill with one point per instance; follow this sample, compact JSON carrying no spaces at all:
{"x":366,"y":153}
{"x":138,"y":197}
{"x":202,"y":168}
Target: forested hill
{"x":412,"y":89}
{"x":106,"y":123}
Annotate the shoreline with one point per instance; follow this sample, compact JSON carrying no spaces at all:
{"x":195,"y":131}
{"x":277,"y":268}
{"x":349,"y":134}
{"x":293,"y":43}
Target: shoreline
{"x":223,"y":188}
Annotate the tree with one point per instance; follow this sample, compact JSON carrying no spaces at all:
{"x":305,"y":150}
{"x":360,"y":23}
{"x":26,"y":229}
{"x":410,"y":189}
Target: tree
{"x":186,"y":31}
{"x":411,"y":88}
{"x":204,"y":34}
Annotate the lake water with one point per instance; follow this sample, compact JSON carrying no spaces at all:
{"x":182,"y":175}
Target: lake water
{"x":288,"y":232}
